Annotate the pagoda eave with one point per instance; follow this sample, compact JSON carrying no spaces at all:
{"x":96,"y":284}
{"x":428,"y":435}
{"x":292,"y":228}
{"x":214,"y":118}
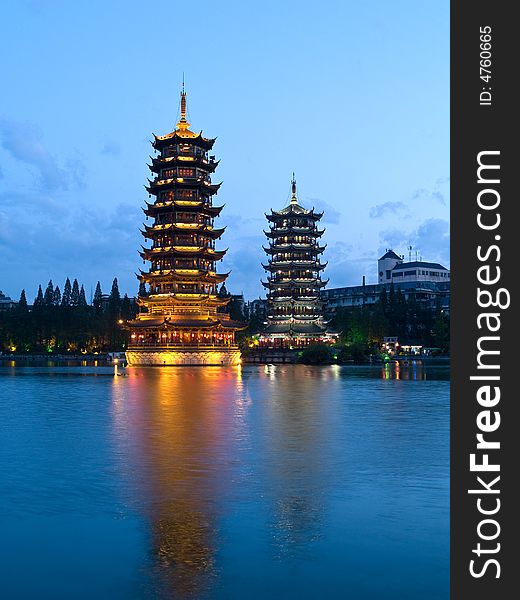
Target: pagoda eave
{"x":182,"y":162}
{"x":201,"y":206}
{"x":282,"y":232}
{"x":176,"y":137}
{"x":199,"y":229}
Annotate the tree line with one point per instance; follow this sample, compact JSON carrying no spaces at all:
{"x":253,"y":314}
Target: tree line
{"x":62,"y":322}
{"x":364,"y":328}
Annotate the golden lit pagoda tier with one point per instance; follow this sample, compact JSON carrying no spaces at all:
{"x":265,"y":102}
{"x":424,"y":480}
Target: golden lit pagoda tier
{"x":173,"y":183}
{"x":166,"y":324}
{"x":186,"y":138}
{"x":181,"y":318}
{"x":172,"y":229}
{"x":182,"y":206}
{"x":186,"y":276}
{"x":294,"y":230}
{"x":178,"y":252}
{"x":162,"y":165}
{"x":181,"y":299}
{"x":183,"y":341}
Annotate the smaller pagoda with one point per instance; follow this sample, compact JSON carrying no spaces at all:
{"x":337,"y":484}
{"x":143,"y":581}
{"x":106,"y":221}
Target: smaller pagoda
{"x":294,"y":266}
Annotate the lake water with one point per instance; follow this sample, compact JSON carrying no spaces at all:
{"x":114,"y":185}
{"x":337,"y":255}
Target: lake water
{"x":290,"y":482}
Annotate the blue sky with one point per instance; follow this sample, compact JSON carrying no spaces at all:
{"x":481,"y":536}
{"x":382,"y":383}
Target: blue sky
{"x":351,"y":96}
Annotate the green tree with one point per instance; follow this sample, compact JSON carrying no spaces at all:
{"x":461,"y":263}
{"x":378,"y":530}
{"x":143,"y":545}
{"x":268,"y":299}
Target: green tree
{"x":126,"y":308}
{"x":67,"y":293}
{"x":98,"y":297}
{"x":114,"y":301}
{"x":22,"y":303}
{"x":38,"y":301}
{"x":82,"y":301}
{"x":74,"y":296}
{"x":48,"y":297}
{"x":142,"y":289}
{"x":317,"y":354}
{"x":57,"y":296}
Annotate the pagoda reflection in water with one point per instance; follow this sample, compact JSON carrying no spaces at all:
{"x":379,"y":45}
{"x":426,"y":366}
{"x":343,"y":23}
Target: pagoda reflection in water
{"x":179,"y":321}
{"x":190,"y":445}
{"x":173,"y":434}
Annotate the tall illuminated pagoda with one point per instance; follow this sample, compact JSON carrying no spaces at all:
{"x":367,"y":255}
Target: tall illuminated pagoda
{"x":295,"y":317}
{"x":178,"y":322}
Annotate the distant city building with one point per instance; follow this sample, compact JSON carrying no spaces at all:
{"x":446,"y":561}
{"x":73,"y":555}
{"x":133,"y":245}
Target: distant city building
{"x":104,"y":302}
{"x":294,"y":307}
{"x":6,"y":303}
{"x":257,"y":307}
{"x":392,"y":268}
{"x":428,"y":283}
{"x":180,"y":320}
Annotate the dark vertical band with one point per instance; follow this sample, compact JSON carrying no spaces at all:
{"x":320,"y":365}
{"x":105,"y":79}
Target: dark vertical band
{"x":485,"y":256}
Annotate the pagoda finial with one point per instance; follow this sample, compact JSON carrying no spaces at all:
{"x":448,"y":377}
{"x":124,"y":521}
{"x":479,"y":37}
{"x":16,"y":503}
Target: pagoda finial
{"x":183,"y":123}
{"x":294,"y":198}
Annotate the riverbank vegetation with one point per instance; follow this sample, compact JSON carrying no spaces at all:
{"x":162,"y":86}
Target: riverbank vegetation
{"x":64,"y":323}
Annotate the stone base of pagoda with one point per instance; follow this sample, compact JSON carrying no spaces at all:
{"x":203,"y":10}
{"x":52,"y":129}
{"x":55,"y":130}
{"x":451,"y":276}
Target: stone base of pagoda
{"x":184,"y":357}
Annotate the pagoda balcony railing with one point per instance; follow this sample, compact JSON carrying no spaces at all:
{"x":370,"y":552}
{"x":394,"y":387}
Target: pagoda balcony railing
{"x":182,"y":179}
{"x":281,"y":300}
{"x":148,"y":345}
{"x":188,"y":157}
{"x":171,"y":245}
{"x":308,"y":279}
{"x":284,"y":258}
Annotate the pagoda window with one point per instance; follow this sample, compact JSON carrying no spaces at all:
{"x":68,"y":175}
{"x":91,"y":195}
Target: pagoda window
{"x":170,"y":151}
{"x":186,"y":172}
{"x":168,"y":173}
{"x":186,"y":240}
{"x":186,"y":263}
{"x":186,"y":194}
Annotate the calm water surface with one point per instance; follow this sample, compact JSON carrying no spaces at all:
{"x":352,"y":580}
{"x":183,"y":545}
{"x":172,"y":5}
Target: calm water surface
{"x":290,"y":482}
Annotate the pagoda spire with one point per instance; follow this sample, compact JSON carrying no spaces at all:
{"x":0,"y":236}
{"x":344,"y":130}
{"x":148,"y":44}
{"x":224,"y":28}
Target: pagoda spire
{"x":183,"y":123}
{"x":294,"y":198}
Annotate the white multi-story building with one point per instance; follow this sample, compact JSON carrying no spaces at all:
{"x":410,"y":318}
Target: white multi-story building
{"x":392,"y":268}
{"x":426,"y":282}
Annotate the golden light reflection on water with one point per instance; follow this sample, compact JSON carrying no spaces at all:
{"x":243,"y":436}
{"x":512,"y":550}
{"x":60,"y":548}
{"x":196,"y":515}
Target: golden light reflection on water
{"x":413,"y":369}
{"x":195,"y":443}
{"x":174,"y":428}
